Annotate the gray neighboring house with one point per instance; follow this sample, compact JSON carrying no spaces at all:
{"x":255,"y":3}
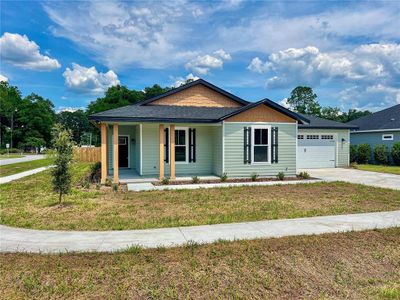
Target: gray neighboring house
{"x":380,"y":128}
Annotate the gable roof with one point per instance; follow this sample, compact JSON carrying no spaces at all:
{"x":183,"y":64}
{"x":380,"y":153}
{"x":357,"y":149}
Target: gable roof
{"x":189,"y":85}
{"x":320,"y":123}
{"x":388,"y":118}
{"x":271,"y":104}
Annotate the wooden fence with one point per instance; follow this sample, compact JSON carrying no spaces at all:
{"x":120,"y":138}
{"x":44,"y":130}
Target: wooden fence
{"x":89,"y":154}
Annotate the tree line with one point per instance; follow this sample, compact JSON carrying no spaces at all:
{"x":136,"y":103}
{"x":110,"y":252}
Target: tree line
{"x":26,"y":122}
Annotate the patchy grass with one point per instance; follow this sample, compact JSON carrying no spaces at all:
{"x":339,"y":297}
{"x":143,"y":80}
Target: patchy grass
{"x":331,"y":266}
{"x":380,"y":169}
{"x":30,"y":203}
{"x":23,"y":166}
{"x":5,"y":156}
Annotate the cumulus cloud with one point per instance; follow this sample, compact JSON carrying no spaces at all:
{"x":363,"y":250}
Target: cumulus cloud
{"x":257,"y":65}
{"x":203,"y":64}
{"x":19,"y":51}
{"x":182,"y":80}
{"x":3,"y":78}
{"x":367,"y":63}
{"x":69,"y":109}
{"x":88,"y":80}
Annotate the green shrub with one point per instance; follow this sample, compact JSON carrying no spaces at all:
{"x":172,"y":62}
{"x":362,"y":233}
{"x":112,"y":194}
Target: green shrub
{"x":381,"y":154}
{"x":165,"y":181}
{"x":304,"y":175}
{"x":254,"y":176}
{"x":195,"y":179}
{"x":108,"y":182}
{"x":353,"y":153}
{"x":354,"y":165}
{"x":280,"y":176}
{"x":10,"y":150}
{"x":364,"y":154}
{"x":223,"y":177}
{"x":115,"y":187}
{"x":396,"y":153}
{"x":95,"y":172}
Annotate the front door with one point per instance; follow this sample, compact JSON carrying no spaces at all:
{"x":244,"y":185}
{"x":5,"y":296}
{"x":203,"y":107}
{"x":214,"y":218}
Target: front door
{"x":123,"y":149}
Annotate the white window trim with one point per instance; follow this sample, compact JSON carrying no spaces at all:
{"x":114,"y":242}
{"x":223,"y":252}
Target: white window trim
{"x":269,"y":145}
{"x":186,"y":129}
{"x":387,"y":139}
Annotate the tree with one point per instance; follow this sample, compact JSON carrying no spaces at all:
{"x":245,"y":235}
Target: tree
{"x":331,"y":113}
{"x":35,"y":119}
{"x":63,"y":145}
{"x":10,"y":101}
{"x":155,"y":90}
{"x":77,"y":122}
{"x":353,"y":114}
{"x":303,"y":100}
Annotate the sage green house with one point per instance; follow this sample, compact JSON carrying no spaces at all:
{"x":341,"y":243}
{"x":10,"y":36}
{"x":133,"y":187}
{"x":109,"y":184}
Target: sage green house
{"x":200,"y":129}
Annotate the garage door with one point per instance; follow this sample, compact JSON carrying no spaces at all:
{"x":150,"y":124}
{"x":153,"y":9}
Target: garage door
{"x":316,"y":151}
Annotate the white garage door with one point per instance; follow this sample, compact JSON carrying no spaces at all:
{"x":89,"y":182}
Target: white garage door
{"x":316,"y":151}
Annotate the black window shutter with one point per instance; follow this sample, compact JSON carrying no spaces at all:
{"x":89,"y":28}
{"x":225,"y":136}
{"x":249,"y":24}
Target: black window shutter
{"x":247,"y":145}
{"x":274,"y":138}
{"x":192,"y":144}
{"x":166,"y":145}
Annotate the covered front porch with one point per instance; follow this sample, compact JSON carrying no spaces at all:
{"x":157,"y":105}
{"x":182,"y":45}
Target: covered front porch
{"x":149,"y":152}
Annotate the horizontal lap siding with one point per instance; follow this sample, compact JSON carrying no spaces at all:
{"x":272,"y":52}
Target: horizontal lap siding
{"x":204,"y":152}
{"x":234,"y":165}
{"x":342,"y":148}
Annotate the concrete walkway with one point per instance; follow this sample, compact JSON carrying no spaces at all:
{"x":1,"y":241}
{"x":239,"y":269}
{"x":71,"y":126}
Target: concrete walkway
{"x":45,"y":241}
{"x":10,"y":161}
{"x":22,"y":174}
{"x":148,"y":186}
{"x":376,"y":179}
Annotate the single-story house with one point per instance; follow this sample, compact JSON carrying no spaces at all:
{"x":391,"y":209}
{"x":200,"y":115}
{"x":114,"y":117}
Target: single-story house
{"x":200,"y":129}
{"x":380,"y":128}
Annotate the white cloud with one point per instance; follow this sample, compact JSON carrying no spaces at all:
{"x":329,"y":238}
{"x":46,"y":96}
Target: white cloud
{"x":284,"y":103}
{"x":257,"y":65}
{"x":371,"y":64}
{"x":88,"y":80}
{"x":19,"y":51}
{"x":203,"y":64}
{"x":3,"y":78}
{"x":330,"y":29}
{"x":120,"y":34}
{"x":69,"y":108}
{"x":181,"y":80}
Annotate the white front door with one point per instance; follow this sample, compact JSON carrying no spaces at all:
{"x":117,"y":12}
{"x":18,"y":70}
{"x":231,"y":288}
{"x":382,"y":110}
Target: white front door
{"x":316,"y":151}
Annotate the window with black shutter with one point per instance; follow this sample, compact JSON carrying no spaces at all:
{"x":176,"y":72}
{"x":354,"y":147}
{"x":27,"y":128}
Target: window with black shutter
{"x":274,"y":150}
{"x":247,"y":145}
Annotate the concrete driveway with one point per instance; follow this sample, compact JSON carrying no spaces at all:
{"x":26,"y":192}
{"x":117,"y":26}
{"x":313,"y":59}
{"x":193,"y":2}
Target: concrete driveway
{"x":10,"y":161}
{"x":383,"y":180}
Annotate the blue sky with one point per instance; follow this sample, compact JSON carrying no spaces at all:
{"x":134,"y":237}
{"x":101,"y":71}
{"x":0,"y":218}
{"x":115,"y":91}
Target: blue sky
{"x":70,"y":52}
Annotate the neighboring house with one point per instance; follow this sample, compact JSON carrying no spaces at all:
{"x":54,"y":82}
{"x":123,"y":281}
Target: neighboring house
{"x":200,"y":129}
{"x":380,"y":128}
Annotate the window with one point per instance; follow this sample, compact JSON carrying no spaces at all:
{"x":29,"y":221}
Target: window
{"x":387,"y":137}
{"x":181,"y":145}
{"x":122,"y":140}
{"x":327,"y":137}
{"x":312,"y":137}
{"x":260,"y":144}
{"x":300,"y":137}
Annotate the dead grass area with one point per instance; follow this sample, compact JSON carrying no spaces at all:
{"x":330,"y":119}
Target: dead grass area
{"x":356,"y":265}
{"x":30,"y":203}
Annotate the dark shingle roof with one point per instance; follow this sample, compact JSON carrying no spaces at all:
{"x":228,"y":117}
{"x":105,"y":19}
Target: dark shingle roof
{"x":164,"y":113}
{"x":320,"y":123}
{"x":388,"y":118}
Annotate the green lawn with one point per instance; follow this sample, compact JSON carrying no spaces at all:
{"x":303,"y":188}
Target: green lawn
{"x":23,"y":166}
{"x":380,"y":169}
{"x":354,"y":265}
{"x":30,"y":203}
{"x":5,"y":156}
